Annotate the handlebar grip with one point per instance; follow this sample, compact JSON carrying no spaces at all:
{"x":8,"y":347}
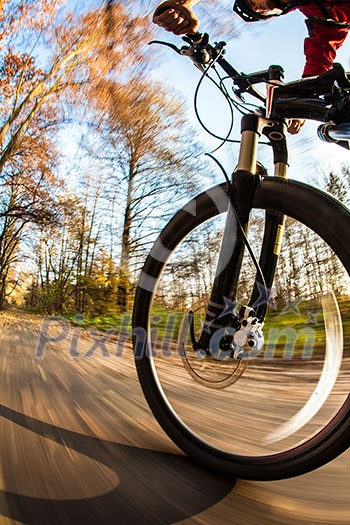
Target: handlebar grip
{"x":196,"y":38}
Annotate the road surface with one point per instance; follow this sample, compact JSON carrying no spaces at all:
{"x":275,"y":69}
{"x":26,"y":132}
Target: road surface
{"x":78,"y":444}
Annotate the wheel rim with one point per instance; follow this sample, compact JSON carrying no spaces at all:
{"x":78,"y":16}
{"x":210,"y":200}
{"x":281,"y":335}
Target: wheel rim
{"x":287,"y":378}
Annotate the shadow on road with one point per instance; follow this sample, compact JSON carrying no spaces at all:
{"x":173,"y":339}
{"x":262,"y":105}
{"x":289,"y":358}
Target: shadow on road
{"x":154,"y":487}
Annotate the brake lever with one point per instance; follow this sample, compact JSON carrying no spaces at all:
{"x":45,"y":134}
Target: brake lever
{"x":167,"y":44}
{"x":191,"y":39}
{"x":199,"y":56}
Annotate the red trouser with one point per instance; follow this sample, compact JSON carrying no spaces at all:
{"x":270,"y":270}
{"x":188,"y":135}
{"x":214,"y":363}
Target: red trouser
{"x":324,"y":40}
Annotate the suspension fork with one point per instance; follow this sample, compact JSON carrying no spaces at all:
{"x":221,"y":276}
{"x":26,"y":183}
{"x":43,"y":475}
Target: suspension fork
{"x":241,"y":191}
{"x":274,"y":224}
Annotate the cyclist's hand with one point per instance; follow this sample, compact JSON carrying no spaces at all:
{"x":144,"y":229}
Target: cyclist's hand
{"x":176,"y":16}
{"x":294,"y":126}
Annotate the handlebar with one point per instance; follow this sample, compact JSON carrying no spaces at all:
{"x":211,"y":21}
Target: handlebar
{"x":321,"y":98}
{"x":203,"y":55}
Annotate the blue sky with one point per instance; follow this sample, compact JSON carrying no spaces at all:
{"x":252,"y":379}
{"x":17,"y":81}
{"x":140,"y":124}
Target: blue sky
{"x":279,"y":41}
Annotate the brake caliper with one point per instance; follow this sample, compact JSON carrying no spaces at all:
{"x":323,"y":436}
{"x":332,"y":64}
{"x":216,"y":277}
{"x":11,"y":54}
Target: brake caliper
{"x":248,"y":340}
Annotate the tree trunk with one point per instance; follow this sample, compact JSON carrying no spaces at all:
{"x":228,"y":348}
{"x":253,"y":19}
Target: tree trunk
{"x":124,"y":271}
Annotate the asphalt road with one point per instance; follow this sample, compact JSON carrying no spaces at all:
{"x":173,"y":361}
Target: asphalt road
{"x":78,"y":444}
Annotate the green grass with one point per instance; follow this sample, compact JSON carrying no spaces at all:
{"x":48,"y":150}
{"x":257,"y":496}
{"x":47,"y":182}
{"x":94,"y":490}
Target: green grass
{"x":118,"y":322}
{"x":165,"y":325}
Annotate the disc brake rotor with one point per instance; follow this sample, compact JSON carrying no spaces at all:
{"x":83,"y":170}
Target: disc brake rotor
{"x":219,"y":371}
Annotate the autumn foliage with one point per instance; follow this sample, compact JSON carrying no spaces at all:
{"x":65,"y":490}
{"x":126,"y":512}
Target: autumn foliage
{"x":50,"y":60}
{"x":76,"y":244}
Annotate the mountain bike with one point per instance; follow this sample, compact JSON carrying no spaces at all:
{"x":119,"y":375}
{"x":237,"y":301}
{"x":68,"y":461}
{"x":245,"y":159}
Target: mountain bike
{"x":241,"y":316}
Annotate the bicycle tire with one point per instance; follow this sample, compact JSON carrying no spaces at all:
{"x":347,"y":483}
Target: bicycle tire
{"x":320,"y":213}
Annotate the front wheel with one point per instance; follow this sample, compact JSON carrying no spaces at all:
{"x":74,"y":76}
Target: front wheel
{"x":286,"y":411}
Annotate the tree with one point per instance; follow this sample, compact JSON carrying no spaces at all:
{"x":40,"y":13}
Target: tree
{"x":78,"y":51}
{"x":336,"y":184}
{"x":152,"y":155}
